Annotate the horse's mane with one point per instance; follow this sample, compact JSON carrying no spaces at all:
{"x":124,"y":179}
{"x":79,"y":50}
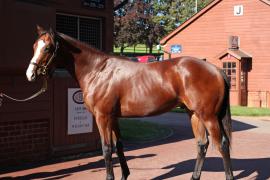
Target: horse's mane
{"x":77,"y":46}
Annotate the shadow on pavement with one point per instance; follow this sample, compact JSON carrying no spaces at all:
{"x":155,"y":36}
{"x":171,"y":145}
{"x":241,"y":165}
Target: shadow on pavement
{"x":182,"y":131}
{"x":62,"y":173}
{"x":240,"y":126}
{"x":214,"y":164}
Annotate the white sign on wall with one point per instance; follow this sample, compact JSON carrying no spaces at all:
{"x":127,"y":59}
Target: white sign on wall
{"x":79,"y":118}
{"x":176,"y":48}
{"x":238,"y":10}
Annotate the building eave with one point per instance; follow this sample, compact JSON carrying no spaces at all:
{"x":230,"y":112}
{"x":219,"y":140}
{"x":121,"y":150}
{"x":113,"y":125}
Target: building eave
{"x":237,"y":53}
{"x":266,"y":2}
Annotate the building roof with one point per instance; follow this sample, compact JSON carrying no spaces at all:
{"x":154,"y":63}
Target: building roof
{"x":194,"y":18}
{"x":237,"y":53}
{"x":266,"y":1}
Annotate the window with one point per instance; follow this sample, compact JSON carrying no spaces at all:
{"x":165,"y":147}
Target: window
{"x":85,"y":29}
{"x":230,"y":69}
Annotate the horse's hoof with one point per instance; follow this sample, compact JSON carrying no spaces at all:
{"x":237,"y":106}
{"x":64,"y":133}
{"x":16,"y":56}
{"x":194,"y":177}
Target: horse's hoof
{"x":194,"y":178}
{"x":125,"y":177}
{"x":109,"y":178}
{"x":230,"y":176}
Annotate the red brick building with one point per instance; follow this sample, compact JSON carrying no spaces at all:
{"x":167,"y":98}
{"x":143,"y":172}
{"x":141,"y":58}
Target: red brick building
{"x":235,"y":36}
{"x":38,"y":129}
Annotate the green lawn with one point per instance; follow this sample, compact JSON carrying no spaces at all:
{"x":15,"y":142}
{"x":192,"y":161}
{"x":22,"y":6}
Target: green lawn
{"x":249,"y":111}
{"x":178,"y":110}
{"x":140,"y":131}
{"x":240,"y":111}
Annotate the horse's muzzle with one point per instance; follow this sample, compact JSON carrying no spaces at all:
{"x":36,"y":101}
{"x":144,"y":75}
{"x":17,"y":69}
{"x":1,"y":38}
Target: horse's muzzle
{"x":31,"y":77}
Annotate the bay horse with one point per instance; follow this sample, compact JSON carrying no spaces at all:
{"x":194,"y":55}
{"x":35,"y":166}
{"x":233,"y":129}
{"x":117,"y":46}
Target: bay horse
{"x":116,"y":87}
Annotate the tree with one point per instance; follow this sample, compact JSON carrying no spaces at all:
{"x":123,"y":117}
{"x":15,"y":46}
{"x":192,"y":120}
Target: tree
{"x":203,"y":3}
{"x":119,"y":4}
{"x":134,"y":24}
{"x":147,"y":21}
{"x":172,"y":13}
{"x":125,"y":28}
{"x":150,"y":31}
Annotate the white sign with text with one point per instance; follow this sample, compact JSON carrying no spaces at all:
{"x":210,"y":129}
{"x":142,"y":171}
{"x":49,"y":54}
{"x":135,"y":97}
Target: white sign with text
{"x":79,"y":118}
{"x":238,"y":10}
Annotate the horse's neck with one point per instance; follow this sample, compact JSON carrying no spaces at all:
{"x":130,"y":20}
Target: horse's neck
{"x":82,"y":60}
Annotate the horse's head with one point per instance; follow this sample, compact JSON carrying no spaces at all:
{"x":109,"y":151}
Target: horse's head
{"x":45,"y":48}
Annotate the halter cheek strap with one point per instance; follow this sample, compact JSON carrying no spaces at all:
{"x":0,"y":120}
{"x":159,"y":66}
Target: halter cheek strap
{"x":53,"y":55}
{"x":43,"y":69}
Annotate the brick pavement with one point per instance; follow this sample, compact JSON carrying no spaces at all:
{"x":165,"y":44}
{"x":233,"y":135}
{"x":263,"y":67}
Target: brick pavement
{"x":172,"y":158}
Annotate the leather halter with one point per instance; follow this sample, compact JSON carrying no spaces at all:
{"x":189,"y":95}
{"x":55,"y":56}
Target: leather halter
{"x":43,"y":69}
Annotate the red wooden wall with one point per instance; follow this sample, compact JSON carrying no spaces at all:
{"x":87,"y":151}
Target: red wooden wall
{"x":206,"y":35}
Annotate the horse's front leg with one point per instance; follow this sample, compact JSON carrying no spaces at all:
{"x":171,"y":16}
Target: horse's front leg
{"x":104,"y":123}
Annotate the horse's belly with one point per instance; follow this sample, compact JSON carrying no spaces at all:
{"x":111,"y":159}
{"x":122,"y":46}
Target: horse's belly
{"x":147,"y":106}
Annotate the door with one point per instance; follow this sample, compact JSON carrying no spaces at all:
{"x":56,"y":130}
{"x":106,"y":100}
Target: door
{"x":243,"y":82}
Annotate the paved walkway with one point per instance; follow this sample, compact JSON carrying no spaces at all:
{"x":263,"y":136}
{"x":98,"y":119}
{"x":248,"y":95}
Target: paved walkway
{"x":172,"y":158}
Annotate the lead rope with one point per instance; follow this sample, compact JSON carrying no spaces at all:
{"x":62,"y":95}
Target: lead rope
{"x":41,"y":91}
{"x":44,"y":87}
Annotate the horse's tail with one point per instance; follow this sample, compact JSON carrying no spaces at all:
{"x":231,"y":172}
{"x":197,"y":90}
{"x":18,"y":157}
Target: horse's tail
{"x":225,"y":112}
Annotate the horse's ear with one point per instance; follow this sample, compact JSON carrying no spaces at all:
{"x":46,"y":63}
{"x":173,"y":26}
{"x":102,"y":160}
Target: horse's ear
{"x":40,"y":30}
{"x":52,"y":33}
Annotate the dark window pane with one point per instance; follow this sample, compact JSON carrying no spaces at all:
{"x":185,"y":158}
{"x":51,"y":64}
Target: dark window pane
{"x":87,"y":30}
{"x":224,"y":65}
{"x":67,"y":25}
{"x":90,"y":31}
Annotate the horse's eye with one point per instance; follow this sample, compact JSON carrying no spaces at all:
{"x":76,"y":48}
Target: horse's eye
{"x":47,"y":49}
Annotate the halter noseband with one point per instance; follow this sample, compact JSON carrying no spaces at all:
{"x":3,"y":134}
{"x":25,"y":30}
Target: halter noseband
{"x":43,"y":69}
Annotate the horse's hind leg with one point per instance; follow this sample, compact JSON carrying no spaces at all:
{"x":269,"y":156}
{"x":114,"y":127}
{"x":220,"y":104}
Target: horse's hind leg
{"x":225,"y":152}
{"x":120,"y":150}
{"x":104,"y":123}
{"x":222,"y":143}
{"x":202,"y":144}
